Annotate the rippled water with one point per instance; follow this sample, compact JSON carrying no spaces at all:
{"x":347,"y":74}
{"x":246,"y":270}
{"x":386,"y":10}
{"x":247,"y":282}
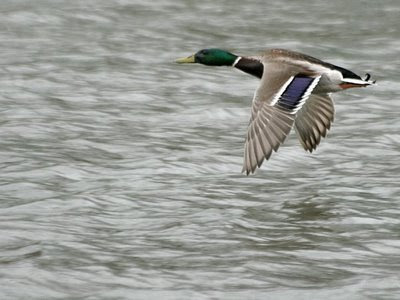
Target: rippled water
{"x":120,"y":170}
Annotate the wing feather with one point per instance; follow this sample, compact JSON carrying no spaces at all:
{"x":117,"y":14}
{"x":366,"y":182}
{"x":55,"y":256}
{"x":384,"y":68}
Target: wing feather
{"x":314,"y":120}
{"x":273,"y":116}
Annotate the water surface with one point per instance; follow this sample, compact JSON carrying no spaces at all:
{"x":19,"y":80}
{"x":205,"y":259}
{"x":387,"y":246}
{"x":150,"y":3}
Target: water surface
{"x":120,"y":170}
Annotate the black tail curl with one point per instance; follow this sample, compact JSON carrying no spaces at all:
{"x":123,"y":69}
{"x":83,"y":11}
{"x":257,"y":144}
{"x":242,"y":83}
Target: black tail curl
{"x":367,"y":77}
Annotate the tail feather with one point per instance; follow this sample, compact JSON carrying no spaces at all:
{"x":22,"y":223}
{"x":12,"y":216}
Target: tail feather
{"x":354,"y":82}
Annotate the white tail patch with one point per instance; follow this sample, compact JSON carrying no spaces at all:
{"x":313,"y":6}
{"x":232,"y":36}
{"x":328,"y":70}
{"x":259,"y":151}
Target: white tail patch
{"x":357,"y":81}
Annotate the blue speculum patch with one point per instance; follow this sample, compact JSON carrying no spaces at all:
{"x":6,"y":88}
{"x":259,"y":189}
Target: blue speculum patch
{"x":291,"y":97}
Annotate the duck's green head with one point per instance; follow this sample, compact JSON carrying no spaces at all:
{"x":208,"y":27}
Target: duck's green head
{"x":210,"y":57}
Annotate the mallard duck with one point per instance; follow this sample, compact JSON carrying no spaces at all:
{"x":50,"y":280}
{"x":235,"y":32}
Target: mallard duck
{"x":294,"y":91}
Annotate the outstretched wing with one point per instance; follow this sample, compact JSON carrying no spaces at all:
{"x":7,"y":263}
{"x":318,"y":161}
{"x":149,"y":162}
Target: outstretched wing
{"x":280,"y":96}
{"x":314,"y":120}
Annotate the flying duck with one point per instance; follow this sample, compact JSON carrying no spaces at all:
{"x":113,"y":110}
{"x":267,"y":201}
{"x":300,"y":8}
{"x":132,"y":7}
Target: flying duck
{"x":294,"y":91}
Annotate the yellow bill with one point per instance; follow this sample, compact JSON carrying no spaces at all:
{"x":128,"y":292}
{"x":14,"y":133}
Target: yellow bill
{"x":186,"y":60}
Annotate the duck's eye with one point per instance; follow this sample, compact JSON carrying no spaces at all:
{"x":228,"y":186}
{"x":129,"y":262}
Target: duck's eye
{"x":204,"y":52}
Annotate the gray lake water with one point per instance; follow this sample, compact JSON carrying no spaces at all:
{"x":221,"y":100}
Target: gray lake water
{"x":120,"y":170}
